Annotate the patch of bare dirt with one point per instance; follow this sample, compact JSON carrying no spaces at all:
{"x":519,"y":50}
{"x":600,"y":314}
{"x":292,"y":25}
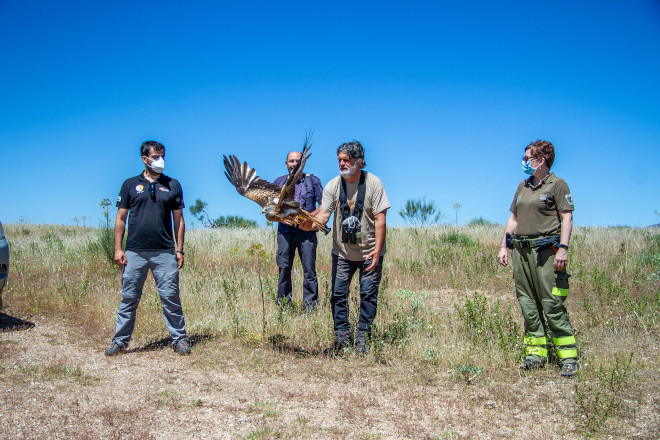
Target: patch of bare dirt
{"x":55,"y":383}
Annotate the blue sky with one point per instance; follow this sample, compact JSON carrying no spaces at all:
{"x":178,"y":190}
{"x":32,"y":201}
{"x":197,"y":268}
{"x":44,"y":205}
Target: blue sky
{"x":443,"y":95}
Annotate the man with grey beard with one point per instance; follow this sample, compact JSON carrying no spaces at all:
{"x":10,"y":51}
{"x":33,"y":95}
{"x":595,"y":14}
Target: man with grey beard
{"x":360,"y":204}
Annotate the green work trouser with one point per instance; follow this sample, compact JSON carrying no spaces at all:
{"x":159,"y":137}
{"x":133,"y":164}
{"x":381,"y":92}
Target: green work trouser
{"x":540,"y":290}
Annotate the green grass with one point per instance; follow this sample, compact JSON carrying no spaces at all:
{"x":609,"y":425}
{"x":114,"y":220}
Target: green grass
{"x":445,"y":305}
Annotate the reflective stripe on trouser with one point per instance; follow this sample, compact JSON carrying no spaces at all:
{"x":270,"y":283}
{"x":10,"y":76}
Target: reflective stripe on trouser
{"x":164,"y":268}
{"x":535,"y":346}
{"x":540,"y":291}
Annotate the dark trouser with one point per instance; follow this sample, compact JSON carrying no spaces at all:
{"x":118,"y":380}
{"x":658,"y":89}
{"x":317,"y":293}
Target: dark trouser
{"x":342,"y":274}
{"x":305,"y":242}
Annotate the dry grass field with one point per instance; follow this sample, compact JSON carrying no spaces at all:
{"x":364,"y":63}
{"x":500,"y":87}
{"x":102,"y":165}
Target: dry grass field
{"x":442,"y":365}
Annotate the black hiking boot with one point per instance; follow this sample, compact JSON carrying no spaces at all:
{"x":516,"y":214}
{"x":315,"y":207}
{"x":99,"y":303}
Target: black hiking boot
{"x":181,"y":346}
{"x":569,"y":369}
{"x":115,"y":349}
{"x":532,"y":364}
{"x":361,"y":343}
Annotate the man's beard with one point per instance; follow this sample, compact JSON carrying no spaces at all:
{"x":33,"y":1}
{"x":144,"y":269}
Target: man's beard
{"x":349,"y":171}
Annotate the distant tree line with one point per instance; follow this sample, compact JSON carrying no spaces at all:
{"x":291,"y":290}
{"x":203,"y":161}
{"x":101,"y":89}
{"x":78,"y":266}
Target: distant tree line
{"x":420,"y":212}
{"x":415,"y":212}
{"x":198,"y":210}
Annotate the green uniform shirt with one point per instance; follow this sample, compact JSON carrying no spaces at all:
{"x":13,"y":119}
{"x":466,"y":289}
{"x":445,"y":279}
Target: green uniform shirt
{"x":537,"y":208}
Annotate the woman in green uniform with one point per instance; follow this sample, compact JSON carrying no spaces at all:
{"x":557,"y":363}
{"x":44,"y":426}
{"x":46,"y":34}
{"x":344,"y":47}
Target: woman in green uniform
{"x":542,"y":220}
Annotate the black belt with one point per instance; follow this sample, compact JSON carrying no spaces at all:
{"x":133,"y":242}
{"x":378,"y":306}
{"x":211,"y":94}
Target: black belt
{"x":541,"y":242}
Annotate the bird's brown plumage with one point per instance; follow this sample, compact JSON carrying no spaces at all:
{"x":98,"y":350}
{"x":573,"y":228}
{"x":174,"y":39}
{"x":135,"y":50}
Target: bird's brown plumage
{"x":278,"y":204}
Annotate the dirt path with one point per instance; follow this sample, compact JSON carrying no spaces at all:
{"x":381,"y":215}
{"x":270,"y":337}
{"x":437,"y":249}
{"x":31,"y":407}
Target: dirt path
{"x":55,"y":383}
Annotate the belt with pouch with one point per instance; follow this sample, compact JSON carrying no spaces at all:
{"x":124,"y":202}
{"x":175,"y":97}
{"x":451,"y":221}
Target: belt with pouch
{"x":538,"y":242}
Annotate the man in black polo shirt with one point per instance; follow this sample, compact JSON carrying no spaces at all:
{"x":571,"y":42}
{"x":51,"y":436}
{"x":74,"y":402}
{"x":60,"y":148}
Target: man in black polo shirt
{"x":150,"y":200}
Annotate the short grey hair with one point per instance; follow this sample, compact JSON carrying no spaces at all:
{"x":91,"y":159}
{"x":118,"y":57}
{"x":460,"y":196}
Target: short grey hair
{"x":354,"y":150}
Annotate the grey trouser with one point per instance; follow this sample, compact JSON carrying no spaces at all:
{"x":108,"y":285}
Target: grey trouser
{"x":166,"y":274}
{"x":305,"y":242}
{"x":342,"y":273}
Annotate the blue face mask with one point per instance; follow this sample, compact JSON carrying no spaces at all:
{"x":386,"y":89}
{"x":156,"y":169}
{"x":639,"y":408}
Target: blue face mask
{"x":528,"y":169}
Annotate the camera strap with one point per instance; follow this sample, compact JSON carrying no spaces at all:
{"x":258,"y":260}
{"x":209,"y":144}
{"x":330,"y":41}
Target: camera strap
{"x":359,"y":201}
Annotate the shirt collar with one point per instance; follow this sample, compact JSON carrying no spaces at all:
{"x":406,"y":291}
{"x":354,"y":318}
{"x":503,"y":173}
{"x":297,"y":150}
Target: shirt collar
{"x":547,"y":179}
{"x":144,"y":179}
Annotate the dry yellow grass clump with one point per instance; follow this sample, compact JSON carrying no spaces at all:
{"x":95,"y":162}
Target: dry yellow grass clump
{"x":443,"y":361}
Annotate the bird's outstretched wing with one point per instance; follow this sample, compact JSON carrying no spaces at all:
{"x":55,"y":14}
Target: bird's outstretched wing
{"x":288,"y":191}
{"x":248,"y":184}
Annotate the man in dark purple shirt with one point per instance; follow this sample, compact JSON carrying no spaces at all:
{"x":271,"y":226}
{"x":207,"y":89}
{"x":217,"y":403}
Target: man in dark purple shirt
{"x":309,"y":192}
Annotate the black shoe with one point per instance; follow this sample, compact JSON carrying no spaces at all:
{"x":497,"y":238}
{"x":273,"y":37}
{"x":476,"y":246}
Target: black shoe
{"x":361,"y":345}
{"x":570,"y":369}
{"x":338,"y":348}
{"x":181,"y":346}
{"x":115,"y":349}
{"x":532,"y":364}
{"x":309,"y":307}
{"x":284,"y":303}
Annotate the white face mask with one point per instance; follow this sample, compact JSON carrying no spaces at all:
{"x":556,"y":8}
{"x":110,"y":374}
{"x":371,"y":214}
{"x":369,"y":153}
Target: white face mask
{"x":158,"y":165}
